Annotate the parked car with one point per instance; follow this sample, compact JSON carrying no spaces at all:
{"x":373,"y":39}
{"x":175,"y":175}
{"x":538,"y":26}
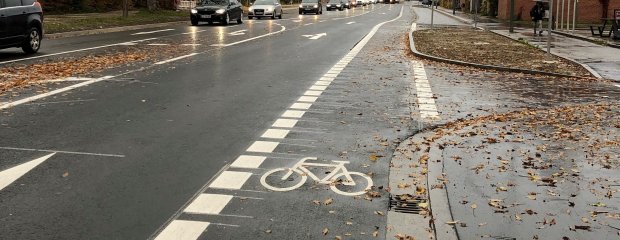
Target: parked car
{"x":352,"y":3}
{"x":21,"y":24}
{"x":265,"y":8}
{"x":223,"y":11}
{"x":313,"y":6}
{"x":335,"y":4}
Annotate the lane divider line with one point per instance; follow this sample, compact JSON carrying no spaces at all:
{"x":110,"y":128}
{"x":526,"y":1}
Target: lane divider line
{"x":275,"y":133}
{"x":230,"y":180}
{"x":176,"y":58}
{"x":183,"y":229}
{"x":424,"y":94}
{"x":156,"y":31}
{"x":248,"y":161}
{"x":294,"y":113}
{"x":284,"y":123}
{"x":208,"y":204}
{"x":263,"y":146}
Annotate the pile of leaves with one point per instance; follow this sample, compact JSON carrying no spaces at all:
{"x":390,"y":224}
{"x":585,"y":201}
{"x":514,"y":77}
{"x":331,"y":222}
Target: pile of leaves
{"x":484,"y":47}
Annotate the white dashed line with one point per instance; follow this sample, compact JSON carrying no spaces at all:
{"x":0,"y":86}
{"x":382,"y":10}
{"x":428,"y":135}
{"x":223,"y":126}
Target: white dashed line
{"x":322,"y":83}
{"x":304,"y":106}
{"x":293,"y":113}
{"x":176,"y":58}
{"x":182,"y":230}
{"x":284,"y":123}
{"x":426,"y":102}
{"x":313,"y":93}
{"x":156,"y":31}
{"x":263,"y":146}
{"x":247,"y":161}
{"x":230,"y":180}
{"x":208,"y":204}
{"x":307,"y":99}
{"x":275,"y":133}
{"x":319,"y":88}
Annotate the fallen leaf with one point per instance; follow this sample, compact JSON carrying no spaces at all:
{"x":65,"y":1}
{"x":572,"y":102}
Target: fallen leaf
{"x":66,"y":174}
{"x":328,"y":201}
{"x":325,"y":231}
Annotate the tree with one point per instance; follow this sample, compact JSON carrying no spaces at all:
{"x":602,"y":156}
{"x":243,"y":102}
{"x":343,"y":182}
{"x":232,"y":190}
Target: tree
{"x":604,"y":7}
{"x":152,"y":4}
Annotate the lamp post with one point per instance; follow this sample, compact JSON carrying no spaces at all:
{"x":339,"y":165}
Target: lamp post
{"x":512,"y":16}
{"x":549,"y":26}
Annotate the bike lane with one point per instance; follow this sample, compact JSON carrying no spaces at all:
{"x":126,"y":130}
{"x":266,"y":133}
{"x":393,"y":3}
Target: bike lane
{"x":351,"y":120}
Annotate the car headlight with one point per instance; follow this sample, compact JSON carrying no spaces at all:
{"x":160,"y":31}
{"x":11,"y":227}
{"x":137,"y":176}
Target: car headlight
{"x":316,"y":6}
{"x":269,"y":9}
{"x":301,"y":6}
{"x":337,"y":5}
{"x":220,"y":11}
{"x":194,"y":11}
{"x":251,"y":9}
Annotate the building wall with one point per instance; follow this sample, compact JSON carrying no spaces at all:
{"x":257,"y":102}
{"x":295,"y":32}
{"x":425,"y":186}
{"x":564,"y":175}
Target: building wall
{"x":588,"y":10}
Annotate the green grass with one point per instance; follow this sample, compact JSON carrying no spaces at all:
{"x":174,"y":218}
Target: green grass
{"x":77,"y":22}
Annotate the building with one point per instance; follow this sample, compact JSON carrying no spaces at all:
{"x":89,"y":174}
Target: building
{"x":587,"y":10}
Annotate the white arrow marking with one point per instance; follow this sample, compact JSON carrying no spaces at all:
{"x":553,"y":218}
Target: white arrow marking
{"x":237,"y":33}
{"x":315,"y":36}
{"x":350,"y":23}
{"x":296,"y":20}
{"x":10,"y":175}
{"x":163,"y":30}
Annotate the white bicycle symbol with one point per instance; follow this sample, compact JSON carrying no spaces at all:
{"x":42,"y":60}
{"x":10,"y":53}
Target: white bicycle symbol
{"x":333,"y":178}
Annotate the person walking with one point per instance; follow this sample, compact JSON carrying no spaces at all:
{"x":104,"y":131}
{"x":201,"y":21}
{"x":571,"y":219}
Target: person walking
{"x":537,"y":13}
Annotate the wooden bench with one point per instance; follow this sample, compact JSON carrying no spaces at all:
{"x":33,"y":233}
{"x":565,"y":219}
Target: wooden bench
{"x":601,"y":29}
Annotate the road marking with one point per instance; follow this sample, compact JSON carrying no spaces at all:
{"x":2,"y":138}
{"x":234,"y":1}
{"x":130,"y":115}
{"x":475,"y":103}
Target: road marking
{"x":247,"y":161}
{"x":158,"y":44}
{"x":330,"y":75}
{"x":263,"y":146}
{"x":617,"y":85}
{"x":284,"y":123}
{"x":250,"y":39}
{"x":293,"y":114}
{"x":237,"y":33}
{"x":304,"y":106}
{"x":183,"y":230}
{"x":296,"y":21}
{"x":191,"y":44}
{"x":322,"y":83}
{"x":313,"y":93}
{"x":156,"y":31}
{"x":58,"y":151}
{"x":72,"y":51}
{"x":208,"y":204}
{"x":307,"y":99}
{"x":60,"y":90}
{"x":9,"y":176}
{"x":349,"y":23}
{"x":320,"y":88}
{"x":68,"y":101}
{"x":315,"y":36}
{"x":424,"y":94}
{"x":307,"y":24}
{"x":230,"y":180}
{"x":275,"y":133}
{"x":328,"y":79}
{"x":176,"y":58}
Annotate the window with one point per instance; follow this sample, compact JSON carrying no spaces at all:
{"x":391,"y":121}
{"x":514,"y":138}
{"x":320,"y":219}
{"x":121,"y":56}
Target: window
{"x":12,"y":3}
{"x":27,"y":2}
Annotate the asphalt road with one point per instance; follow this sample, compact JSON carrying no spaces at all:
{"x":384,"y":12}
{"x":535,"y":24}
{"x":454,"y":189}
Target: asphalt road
{"x":145,"y":150}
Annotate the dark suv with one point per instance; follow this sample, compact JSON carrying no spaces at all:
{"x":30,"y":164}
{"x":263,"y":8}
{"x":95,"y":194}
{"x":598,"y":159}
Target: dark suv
{"x":21,"y":24}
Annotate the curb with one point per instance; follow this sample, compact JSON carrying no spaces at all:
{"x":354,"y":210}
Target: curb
{"x":584,"y":38}
{"x":109,"y":30}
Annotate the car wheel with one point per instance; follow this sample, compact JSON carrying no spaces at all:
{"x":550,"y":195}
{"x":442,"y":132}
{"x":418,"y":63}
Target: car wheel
{"x":33,"y":41}
{"x":273,"y":16}
{"x":226,"y":20}
{"x":194,"y":22}
{"x":210,"y":22}
{"x":240,"y":19}
{"x":281,"y":12}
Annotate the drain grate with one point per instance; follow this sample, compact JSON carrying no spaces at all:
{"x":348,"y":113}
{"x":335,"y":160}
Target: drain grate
{"x":406,"y":205}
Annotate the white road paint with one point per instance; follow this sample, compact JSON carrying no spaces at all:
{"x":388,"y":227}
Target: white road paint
{"x":275,"y":133}
{"x":56,"y":102}
{"x":250,"y":39}
{"x":425,"y":98}
{"x":320,"y":88}
{"x":230,"y":180}
{"x":176,"y":58}
{"x":237,"y":33}
{"x":284,"y":123}
{"x":74,"y":51}
{"x":50,"y":93}
{"x":157,"y":44}
{"x":69,"y":79}
{"x":349,"y":23}
{"x":59,"y":151}
{"x":315,"y":36}
{"x":208,"y":204}
{"x":263,"y":146}
{"x":9,"y":176}
{"x":293,"y":114}
{"x":617,"y":85}
{"x":313,"y":93}
{"x":183,"y":230}
{"x":328,"y":79}
{"x":307,"y":99}
{"x":191,"y":44}
{"x":304,"y":106}
{"x":156,"y":31}
{"x":248,"y":161}
{"x":322,"y":83}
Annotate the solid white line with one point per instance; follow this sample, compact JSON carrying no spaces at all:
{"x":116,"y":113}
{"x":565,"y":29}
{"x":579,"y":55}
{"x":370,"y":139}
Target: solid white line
{"x":247,"y":161}
{"x":156,"y":31}
{"x":69,"y":79}
{"x":275,"y":133}
{"x":230,"y":180}
{"x":250,"y":39}
{"x":158,"y":44}
{"x":56,"y":102}
{"x":176,"y":58}
{"x":8,"y":176}
{"x":74,"y":51}
{"x":183,"y":230}
{"x":43,"y":95}
{"x":293,"y":113}
{"x":263,"y":146}
{"x":58,"y":151}
{"x":208,"y":204}
{"x":284,"y":123}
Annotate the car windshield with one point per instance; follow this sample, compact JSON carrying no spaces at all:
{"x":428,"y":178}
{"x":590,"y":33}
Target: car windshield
{"x":213,"y":2}
{"x":263,"y":2}
{"x":310,"y":1}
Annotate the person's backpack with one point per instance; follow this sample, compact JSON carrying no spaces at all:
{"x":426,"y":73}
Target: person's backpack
{"x":535,"y":12}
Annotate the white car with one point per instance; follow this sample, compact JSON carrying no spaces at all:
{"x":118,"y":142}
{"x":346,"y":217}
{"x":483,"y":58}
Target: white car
{"x":265,"y":8}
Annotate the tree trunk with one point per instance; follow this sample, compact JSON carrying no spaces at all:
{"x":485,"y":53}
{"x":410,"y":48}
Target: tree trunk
{"x":152,"y":4}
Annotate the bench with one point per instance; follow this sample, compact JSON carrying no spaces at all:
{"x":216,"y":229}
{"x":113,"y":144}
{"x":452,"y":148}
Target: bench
{"x":614,"y":21}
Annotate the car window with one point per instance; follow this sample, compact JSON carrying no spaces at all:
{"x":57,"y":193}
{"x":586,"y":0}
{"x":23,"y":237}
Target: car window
{"x":310,"y":1}
{"x":27,"y":2}
{"x":12,"y":3}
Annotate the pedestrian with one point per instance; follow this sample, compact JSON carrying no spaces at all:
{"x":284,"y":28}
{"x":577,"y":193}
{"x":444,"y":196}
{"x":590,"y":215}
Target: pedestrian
{"x":537,"y":13}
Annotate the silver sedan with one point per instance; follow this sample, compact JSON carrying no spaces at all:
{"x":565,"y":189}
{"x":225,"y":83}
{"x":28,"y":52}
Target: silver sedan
{"x":265,"y":8}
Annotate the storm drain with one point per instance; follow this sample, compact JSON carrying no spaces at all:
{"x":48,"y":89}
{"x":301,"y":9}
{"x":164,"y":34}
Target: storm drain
{"x":408,"y":204}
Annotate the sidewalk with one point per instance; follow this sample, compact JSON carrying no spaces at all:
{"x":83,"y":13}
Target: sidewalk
{"x":602,"y":59}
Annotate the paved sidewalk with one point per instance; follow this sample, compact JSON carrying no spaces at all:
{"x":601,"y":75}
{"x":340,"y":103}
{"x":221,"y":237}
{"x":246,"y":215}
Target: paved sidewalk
{"x":602,"y":59}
